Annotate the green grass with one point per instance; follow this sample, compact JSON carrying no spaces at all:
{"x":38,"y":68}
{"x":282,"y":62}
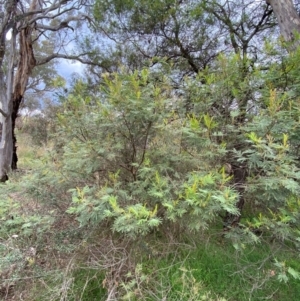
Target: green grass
{"x":87,"y":285}
{"x":217,"y":269}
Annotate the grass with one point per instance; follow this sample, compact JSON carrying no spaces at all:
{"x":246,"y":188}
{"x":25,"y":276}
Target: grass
{"x":27,"y":152}
{"x":88,"y":284}
{"x":232,"y":274}
{"x":240,"y":276}
{"x":80,"y":284}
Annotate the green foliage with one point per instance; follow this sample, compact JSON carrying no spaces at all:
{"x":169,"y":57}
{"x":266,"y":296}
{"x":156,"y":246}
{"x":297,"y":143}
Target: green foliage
{"x":134,"y":160}
{"x":20,"y":232}
{"x":139,"y":160}
{"x":138,"y":149}
{"x":159,"y":29}
{"x":36,"y":128}
{"x":13,"y":222}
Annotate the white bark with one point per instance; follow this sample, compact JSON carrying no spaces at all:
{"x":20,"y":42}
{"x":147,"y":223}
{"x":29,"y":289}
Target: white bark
{"x":25,"y":20}
{"x":6,"y":88}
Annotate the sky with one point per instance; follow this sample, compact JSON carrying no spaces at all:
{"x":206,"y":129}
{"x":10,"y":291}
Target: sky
{"x":66,"y":68}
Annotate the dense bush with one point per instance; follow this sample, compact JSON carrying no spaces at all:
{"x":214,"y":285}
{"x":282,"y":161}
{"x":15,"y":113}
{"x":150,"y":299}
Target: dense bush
{"x":140,"y":159}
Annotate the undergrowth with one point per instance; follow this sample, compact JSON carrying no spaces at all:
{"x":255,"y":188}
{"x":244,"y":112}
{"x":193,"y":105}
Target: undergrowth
{"x":61,"y":262}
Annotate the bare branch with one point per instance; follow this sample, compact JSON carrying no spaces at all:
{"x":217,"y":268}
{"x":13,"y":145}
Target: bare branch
{"x":63,"y":24}
{"x":78,"y":58}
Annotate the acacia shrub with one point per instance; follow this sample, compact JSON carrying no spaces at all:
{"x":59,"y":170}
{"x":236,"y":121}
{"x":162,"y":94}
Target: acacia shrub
{"x":137,"y":159}
{"x":133,"y":155}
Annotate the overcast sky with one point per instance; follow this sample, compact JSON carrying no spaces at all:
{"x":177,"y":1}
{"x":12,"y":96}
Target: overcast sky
{"x":66,"y":68}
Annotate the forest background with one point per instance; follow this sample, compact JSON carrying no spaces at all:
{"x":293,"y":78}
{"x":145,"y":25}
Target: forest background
{"x":168,"y":169}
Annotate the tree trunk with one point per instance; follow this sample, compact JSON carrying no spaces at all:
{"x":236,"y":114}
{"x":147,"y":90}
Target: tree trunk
{"x":25,"y":67}
{"x":27,"y":23}
{"x":6,"y":137}
{"x":239,"y":179}
{"x":12,"y":89}
{"x":6,"y":143}
{"x":6,"y":86}
{"x":14,"y":115}
{"x":288,"y":20}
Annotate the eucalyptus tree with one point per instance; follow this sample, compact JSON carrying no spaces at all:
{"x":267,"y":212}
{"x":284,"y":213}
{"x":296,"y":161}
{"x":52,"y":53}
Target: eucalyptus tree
{"x":25,"y":23}
{"x":288,"y":19}
{"x":143,"y":30}
{"x":189,"y":33}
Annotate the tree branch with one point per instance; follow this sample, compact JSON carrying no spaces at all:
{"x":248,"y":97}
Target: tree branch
{"x":63,"y":24}
{"x":67,"y":57}
{"x":267,"y":13}
{"x":41,"y":14}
